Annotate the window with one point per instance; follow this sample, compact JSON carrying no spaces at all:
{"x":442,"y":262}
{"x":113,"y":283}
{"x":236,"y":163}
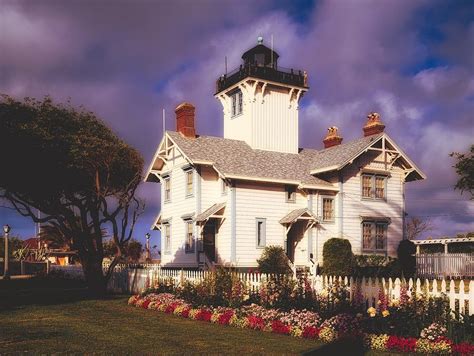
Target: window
{"x":236,"y":99}
{"x":290,"y":193}
{"x":189,"y":242}
{"x":167,"y":237}
{"x":328,"y":209}
{"x":167,"y":189}
{"x":223,"y":187}
{"x":373,"y":186}
{"x":261,"y":232}
{"x":189,"y":174}
{"x":374,"y":236}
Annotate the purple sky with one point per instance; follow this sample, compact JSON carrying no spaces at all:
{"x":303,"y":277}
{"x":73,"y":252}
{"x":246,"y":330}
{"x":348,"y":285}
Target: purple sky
{"x":411,"y":61}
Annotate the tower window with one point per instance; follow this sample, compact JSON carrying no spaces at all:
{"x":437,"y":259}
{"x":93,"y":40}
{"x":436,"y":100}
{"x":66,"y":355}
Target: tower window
{"x":236,"y":99}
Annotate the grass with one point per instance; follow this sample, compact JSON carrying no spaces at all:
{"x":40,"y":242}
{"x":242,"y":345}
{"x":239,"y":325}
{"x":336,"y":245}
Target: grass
{"x":65,"y":321}
{"x":110,"y":326}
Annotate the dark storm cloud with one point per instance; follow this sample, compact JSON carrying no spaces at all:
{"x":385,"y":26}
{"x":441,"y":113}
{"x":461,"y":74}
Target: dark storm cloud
{"x":126,"y":60}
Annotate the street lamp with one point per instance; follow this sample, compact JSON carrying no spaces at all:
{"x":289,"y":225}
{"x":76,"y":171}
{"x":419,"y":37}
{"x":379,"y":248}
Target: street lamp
{"x":147,"y":235}
{"x":6,"y":272}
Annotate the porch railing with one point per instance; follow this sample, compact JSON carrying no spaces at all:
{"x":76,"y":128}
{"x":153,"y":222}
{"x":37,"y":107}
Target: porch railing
{"x":445,"y":265}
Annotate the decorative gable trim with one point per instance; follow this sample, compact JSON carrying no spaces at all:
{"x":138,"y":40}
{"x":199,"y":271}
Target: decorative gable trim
{"x":412,"y":172}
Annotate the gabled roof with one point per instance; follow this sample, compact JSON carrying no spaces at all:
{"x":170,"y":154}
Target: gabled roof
{"x":294,"y":215}
{"x":236,"y":159}
{"x":340,"y":155}
{"x":209,"y":212}
{"x":337,"y":157}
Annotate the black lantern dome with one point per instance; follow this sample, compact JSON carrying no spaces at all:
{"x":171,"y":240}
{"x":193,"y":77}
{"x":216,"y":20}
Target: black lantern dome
{"x":260,"y":62}
{"x":261,"y":56}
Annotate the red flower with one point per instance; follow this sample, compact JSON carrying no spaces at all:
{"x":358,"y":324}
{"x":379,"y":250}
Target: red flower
{"x":311,"y":332}
{"x":185,"y":313}
{"x":145,"y":304}
{"x":279,"y":328}
{"x":401,"y":344}
{"x":464,"y":348}
{"x":256,"y":322}
{"x":225,"y":317}
{"x":204,"y":315}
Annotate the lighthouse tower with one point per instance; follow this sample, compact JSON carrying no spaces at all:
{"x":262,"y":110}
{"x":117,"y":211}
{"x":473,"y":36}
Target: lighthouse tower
{"x":260,"y":101}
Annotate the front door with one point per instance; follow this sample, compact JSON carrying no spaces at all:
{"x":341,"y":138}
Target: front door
{"x":209,"y":240}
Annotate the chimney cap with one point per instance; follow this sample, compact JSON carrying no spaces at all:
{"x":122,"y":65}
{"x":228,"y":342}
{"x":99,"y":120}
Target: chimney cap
{"x":332,"y":138}
{"x":183,"y":105}
{"x":374,"y":124}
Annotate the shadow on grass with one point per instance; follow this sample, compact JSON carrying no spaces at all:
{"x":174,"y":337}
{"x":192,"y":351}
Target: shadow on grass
{"x":42,"y":291}
{"x":346,"y":346}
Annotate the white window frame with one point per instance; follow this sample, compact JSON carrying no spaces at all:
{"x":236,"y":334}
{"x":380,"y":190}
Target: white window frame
{"x":333,"y":198}
{"x":189,"y":248}
{"x":188,"y":172}
{"x":167,"y":192}
{"x":373,"y":187}
{"x":236,"y":103}
{"x":223,"y":186}
{"x":290,"y":194}
{"x":374,"y":224}
{"x":260,"y":241}
{"x":167,"y":238}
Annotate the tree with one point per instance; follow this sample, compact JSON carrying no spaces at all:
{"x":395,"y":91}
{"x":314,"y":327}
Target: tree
{"x":66,"y":163}
{"x":131,"y":253}
{"x":14,"y":243}
{"x":274,"y":261}
{"x":415,"y":227}
{"x":465,"y":169}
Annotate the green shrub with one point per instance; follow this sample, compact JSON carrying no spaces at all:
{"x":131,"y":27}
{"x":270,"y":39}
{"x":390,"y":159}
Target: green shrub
{"x":338,"y":257}
{"x":376,"y":266}
{"x":274,"y":261}
{"x":406,"y":250}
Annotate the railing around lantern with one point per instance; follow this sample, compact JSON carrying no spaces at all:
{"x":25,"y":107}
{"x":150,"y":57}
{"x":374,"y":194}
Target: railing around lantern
{"x":279,"y":75}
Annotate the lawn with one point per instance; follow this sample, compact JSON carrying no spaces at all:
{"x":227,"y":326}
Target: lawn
{"x":68,"y":322}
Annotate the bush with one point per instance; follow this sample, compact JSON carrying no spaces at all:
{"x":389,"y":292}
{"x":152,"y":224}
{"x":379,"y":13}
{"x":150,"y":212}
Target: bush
{"x":376,"y":266}
{"x":338,"y":257}
{"x":274,"y":261}
{"x":406,"y":250}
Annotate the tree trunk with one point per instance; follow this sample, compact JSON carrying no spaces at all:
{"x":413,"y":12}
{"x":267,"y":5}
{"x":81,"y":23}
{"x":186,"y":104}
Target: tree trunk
{"x":96,"y":282}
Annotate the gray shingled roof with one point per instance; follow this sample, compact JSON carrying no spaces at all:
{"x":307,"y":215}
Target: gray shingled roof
{"x":293,"y":215}
{"x":234,"y":157}
{"x":339,"y":155}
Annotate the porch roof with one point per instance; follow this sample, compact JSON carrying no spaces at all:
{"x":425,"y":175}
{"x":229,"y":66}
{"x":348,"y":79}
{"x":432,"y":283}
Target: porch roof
{"x":442,"y":240}
{"x":297,"y":214}
{"x":206,"y":214}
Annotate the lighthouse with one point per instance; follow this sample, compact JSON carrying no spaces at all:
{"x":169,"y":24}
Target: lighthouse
{"x":260,"y":101}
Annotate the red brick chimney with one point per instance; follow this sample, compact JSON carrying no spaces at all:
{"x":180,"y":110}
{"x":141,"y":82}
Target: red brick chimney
{"x":373,"y":125}
{"x":185,"y":120}
{"x":332,"y":138}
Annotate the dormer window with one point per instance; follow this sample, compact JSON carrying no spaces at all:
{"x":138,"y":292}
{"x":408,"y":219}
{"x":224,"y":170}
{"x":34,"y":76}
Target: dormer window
{"x":236,"y":99}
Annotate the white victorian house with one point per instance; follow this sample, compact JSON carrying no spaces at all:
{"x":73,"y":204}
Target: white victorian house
{"x":223,"y":199}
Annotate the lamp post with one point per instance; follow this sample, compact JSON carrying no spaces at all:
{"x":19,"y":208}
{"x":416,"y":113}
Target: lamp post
{"x":6,"y":272}
{"x":147,"y":235}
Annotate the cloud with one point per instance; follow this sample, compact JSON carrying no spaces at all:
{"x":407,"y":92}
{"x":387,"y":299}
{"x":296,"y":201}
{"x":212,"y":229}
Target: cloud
{"x":128,"y":60}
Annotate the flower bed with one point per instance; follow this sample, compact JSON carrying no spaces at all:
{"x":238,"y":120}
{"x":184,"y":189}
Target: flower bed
{"x":304,"y":324}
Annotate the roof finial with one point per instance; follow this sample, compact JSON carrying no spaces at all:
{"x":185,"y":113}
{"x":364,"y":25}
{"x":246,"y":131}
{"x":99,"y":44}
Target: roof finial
{"x":259,"y":40}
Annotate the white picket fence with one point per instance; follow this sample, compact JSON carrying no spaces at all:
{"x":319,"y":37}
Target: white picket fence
{"x":136,"y":280}
{"x":461,"y":299}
